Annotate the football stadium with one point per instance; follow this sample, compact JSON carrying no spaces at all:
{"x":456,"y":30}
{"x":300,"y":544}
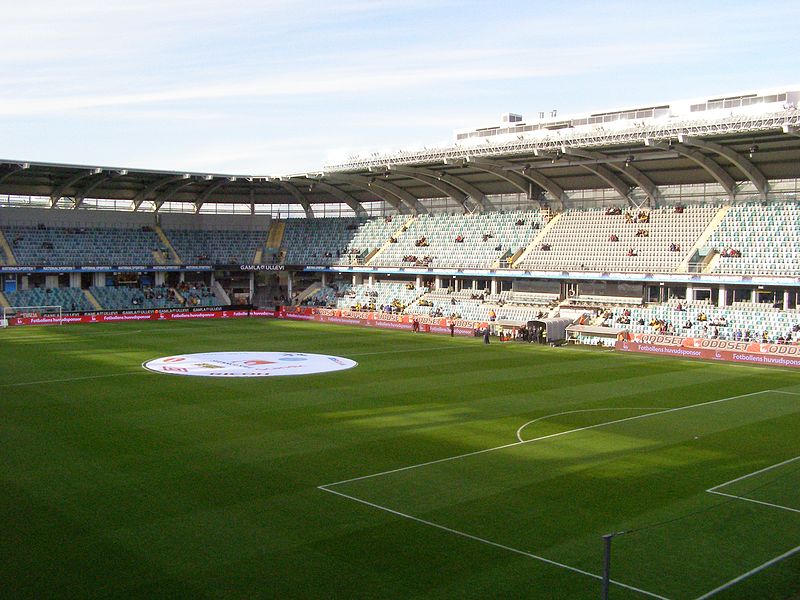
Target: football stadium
{"x":556,"y":358}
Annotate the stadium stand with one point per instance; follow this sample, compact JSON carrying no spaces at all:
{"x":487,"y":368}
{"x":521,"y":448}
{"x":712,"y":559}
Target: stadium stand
{"x":463,"y":241}
{"x":47,"y":245}
{"x":740,"y":321}
{"x":70,"y":299}
{"x":757,"y":238}
{"x":618,"y":216}
{"x":334,"y":241}
{"x":393,"y":297}
{"x":651,"y":241}
{"x":125,"y":298}
{"x":218,"y":247}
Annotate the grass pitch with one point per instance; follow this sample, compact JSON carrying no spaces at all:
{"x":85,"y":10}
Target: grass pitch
{"x":404,"y":477}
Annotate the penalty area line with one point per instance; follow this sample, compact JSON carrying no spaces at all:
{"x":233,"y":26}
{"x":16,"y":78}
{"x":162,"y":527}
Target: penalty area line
{"x":544,"y":437}
{"x":490,"y":542}
{"x":327,"y":488}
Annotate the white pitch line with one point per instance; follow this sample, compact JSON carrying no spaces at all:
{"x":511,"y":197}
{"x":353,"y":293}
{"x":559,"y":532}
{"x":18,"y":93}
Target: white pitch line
{"x":326,"y":488}
{"x":67,"y":379}
{"x":544,"y":437}
{"x":490,"y":542}
{"x":583,"y":410}
{"x":744,"y":576}
{"x":745,"y":499}
{"x":764,"y":470}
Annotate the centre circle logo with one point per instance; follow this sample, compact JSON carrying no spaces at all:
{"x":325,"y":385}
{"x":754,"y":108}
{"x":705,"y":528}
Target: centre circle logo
{"x":248,"y":364}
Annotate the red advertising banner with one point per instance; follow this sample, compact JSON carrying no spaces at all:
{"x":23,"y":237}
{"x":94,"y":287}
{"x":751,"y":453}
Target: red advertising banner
{"x":304,"y":313}
{"x":753,"y":353}
{"x":379,"y":319}
{"x":159,"y":316}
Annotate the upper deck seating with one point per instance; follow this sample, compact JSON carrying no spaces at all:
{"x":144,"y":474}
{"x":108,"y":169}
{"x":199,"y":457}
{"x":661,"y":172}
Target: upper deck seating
{"x":650,"y":241}
{"x":42,"y":245}
{"x":759,"y":239}
{"x":476,"y":241}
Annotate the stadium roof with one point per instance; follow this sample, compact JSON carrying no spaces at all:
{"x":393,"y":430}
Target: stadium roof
{"x":634,"y":162}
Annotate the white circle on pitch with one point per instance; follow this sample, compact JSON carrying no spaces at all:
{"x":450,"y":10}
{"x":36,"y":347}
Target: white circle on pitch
{"x":248,"y":364}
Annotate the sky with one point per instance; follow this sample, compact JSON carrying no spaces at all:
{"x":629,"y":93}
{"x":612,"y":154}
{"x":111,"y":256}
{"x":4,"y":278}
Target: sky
{"x":268,"y":87}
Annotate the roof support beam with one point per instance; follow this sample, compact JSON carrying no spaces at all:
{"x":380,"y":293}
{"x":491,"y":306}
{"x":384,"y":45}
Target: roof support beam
{"x":477,"y":196}
{"x":298,"y":196}
{"x":58,"y":193}
{"x":435,"y":182}
{"x":206,"y":193}
{"x":787,"y":129}
{"x":557,"y":193}
{"x":397,"y":197}
{"x":623,"y":189}
{"x":626,"y":168}
{"x":752,"y":172}
{"x":334,"y":191}
{"x":154,"y":187}
{"x":712,"y":168}
{"x":84,"y":193}
{"x":167,"y":194}
{"x":496,"y":168}
{"x":15,"y":168}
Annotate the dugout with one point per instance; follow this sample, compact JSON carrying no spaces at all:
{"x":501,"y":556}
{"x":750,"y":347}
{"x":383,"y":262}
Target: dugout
{"x":549,"y":331}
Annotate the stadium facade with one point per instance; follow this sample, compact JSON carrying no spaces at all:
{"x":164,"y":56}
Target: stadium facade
{"x":690,"y":203}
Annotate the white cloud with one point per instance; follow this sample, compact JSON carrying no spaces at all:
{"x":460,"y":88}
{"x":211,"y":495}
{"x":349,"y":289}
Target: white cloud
{"x":372,"y":76}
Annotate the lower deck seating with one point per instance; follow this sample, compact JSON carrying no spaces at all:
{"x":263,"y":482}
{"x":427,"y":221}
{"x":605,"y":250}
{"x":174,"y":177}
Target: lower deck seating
{"x":744,"y":321}
{"x":69,"y":299}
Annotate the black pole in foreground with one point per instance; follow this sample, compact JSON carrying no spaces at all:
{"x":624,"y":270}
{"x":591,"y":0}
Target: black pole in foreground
{"x":607,"y":563}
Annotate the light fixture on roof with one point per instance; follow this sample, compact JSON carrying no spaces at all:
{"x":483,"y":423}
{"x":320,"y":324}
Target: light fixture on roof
{"x":752,"y":150}
{"x":557,"y":156}
{"x":629,"y":160}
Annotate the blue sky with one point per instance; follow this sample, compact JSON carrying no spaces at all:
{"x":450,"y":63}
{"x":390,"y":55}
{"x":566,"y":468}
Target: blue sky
{"x":267,"y":87}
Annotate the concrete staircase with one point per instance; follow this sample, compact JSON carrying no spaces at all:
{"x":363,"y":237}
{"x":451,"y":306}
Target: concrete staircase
{"x":396,"y":235}
{"x":701,"y":241}
{"x":537,"y":240}
{"x":220,"y":293}
{"x":178,"y":296}
{"x":310,"y":290}
{"x":4,"y":301}
{"x":92,"y":300}
{"x":9,"y":259}
{"x":275,"y":235}
{"x":176,"y":258}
